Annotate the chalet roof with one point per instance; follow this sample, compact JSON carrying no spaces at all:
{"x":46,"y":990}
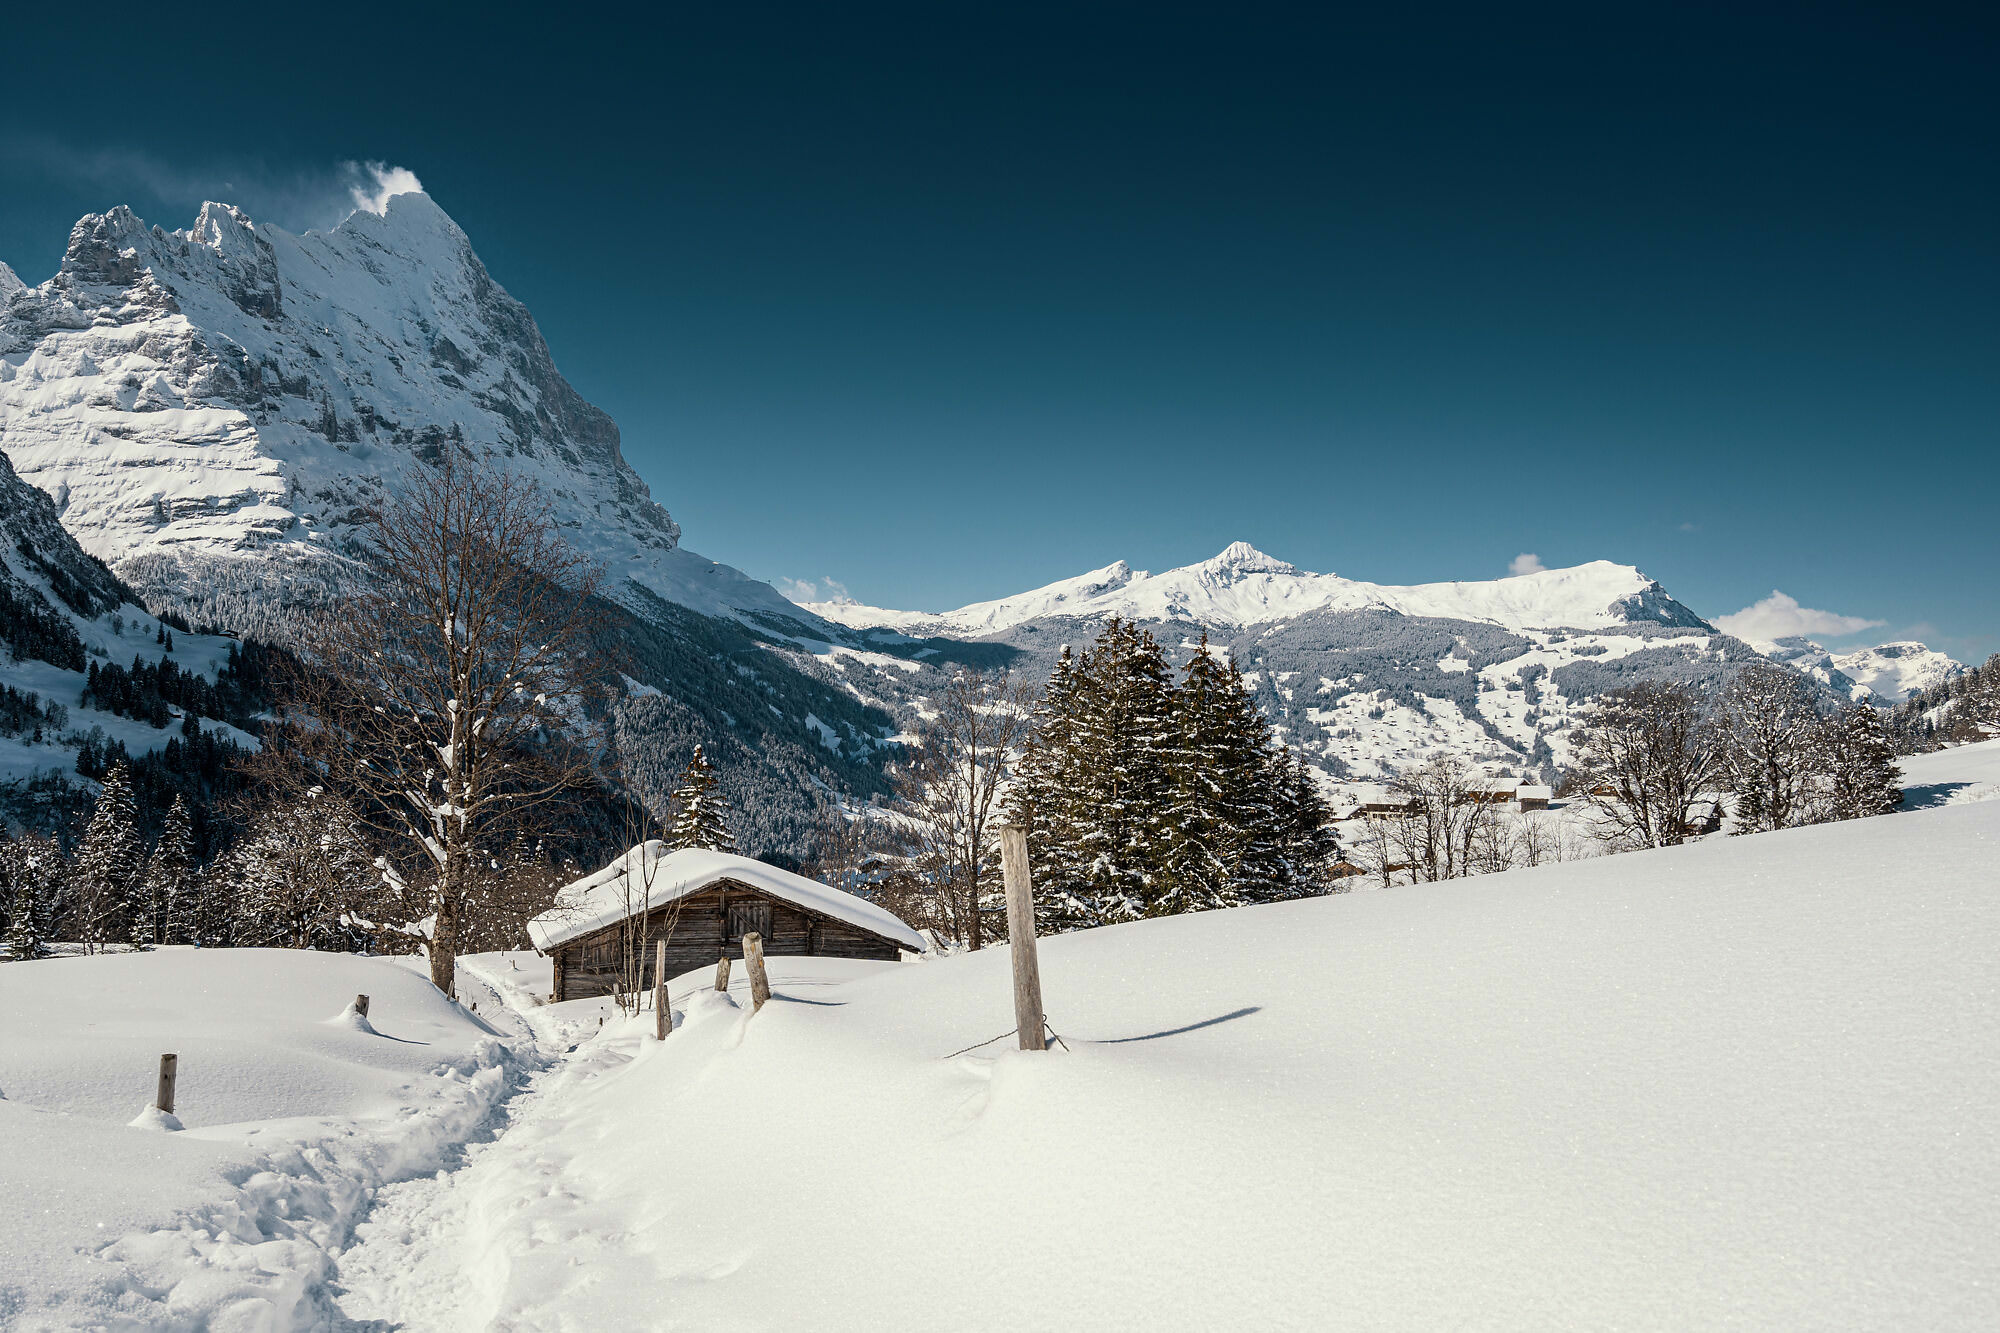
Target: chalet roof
{"x":598,"y":900}
{"x":1532,"y":792}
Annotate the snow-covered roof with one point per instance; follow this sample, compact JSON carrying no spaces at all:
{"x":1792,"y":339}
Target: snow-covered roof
{"x":599,"y":900}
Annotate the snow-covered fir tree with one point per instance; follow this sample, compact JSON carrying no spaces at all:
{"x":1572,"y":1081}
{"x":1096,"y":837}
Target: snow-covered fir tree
{"x":173,"y":886}
{"x":34,"y":877}
{"x":701,"y":811}
{"x":1859,"y":763}
{"x":1126,"y":740}
{"x":109,"y":863}
{"x":1146,"y":797}
{"x":1045,"y":800}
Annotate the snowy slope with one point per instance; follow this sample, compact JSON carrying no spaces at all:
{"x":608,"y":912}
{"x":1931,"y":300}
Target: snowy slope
{"x":1743,"y":1083}
{"x":46,"y":577}
{"x":295,"y":1111}
{"x":233,"y":390}
{"x":1241,"y":586}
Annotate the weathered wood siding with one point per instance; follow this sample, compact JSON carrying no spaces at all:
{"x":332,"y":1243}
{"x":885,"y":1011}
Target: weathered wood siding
{"x":712,"y":923}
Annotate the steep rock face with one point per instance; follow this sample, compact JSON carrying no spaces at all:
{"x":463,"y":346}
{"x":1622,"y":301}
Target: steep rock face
{"x":234,"y":390}
{"x":42,"y":569}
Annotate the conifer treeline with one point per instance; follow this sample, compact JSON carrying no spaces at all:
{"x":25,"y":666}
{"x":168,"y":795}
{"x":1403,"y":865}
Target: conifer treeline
{"x":1146,"y":796}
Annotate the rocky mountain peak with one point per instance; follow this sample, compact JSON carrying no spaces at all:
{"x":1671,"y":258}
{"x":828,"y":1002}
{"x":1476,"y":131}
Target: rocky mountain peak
{"x":232,"y":388}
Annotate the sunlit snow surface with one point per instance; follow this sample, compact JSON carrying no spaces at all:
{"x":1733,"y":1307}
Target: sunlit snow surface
{"x":1749,"y":1082}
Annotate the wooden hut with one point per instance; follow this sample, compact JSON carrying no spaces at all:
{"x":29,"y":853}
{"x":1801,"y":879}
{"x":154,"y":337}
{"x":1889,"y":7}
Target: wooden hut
{"x":702,"y":904}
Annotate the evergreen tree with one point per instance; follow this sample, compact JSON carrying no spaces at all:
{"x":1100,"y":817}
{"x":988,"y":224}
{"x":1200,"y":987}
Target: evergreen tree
{"x":1126,"y":734}
{"x":1310,"y":845}
{"x":172,"y":885}
{"x":1143,"y":797}
{"x":1200,"y":851}
{"x":1253,"y":780}
{"x":701,"y":811}
{"x":1861,"y":774}
{"x":1044,"y":799}
{"x":109,"y":862}
{"x":34,"y":875}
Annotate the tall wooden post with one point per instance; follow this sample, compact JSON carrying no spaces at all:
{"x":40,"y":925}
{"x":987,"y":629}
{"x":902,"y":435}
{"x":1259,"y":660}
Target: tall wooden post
{"x":753,"y":958}
{"x":663,"y":1017}
{"x":1021,"y":936}
{"x":164,"y":1098}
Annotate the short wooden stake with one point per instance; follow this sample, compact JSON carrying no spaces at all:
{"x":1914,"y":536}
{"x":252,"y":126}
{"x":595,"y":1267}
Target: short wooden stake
{"x":164,"y":1098}
{"x":753,"y":958}
{"x":722,"y":972}
{"x":361,"y":1005}
{"x":663,"y":1018}
{"x":1021,"y":935}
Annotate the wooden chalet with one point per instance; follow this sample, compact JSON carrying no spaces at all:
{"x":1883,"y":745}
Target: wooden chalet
{"x":702,"y":904}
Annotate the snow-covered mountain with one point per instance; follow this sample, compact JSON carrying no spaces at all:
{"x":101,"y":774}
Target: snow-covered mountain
{"x":211,"y":410}
{"x":1892,"y":672}
{"x":1366,"y":679}
{"x":1885,"y":674}
{"x":194,"y":398}
{"x":1241,"y":587}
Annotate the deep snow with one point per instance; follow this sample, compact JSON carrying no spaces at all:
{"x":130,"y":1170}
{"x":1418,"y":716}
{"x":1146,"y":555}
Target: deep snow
{"x":1749,"y":1082}
{"x":294,"y":1114}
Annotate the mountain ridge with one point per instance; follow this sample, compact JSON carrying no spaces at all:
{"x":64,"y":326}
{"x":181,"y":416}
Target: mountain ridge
{"x":1242,"y":586}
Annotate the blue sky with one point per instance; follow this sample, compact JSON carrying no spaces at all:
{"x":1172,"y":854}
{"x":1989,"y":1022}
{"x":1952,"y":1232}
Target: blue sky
{"x":943,"y":305}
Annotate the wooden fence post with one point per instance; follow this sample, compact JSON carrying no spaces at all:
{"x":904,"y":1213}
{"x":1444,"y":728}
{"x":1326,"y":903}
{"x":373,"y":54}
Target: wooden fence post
{"x":164,"y":1098}
{"x":361,"y":1005}
{"x":722,"y":973}
{"x":753,"y":958}
{"x":663,"y":1018}
{"x":1021,"y":936}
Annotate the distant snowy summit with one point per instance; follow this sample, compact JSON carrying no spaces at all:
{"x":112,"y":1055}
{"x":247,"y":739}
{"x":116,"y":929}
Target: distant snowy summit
{"x":192,"y":398}
{"x":1241,"y":586}
{"x":1885,"y":674}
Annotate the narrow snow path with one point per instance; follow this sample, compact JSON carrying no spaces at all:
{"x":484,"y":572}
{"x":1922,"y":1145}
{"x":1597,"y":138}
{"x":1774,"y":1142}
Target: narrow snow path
{"x":413,"y":1262}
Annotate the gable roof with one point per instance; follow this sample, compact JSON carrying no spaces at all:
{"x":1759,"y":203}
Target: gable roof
{"x":598,"y":900}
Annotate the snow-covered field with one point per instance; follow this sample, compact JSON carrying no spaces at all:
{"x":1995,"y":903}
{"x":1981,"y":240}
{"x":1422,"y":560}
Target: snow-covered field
{"x":1748,"y":1082}
{"x":294,"y":1113}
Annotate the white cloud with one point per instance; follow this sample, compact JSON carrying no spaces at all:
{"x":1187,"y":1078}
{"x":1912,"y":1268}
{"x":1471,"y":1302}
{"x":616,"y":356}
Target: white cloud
{"x":1781,"y":617}
{"x":1526,"y":563}
{"x":813,"y":590}
{"x":378,"y":183}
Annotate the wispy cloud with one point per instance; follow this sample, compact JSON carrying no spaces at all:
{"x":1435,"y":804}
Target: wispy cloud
{"x":1526,"y":563}
{"x":1781,"y":617}
{"x":813,"y":590}
{"x":169,"y":190}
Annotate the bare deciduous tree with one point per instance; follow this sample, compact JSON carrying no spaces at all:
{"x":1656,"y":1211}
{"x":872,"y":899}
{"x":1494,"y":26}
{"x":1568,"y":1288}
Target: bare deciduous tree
{"x":440,"y":698}
{"x":1448,"y":825}
{"x":948,"y":785}
{"x":1644,"y":757}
